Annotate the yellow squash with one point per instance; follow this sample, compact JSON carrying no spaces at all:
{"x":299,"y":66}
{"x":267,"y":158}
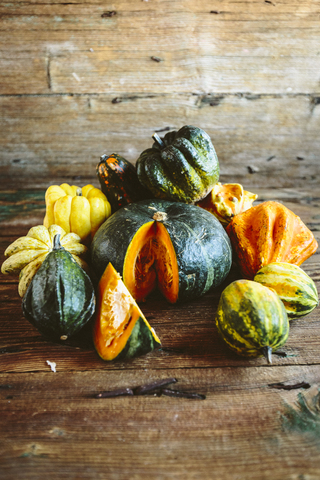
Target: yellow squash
{"x":75,"y":209}
{"x":26,"y":254}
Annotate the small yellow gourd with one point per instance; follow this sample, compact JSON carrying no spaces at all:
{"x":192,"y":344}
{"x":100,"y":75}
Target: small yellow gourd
{"x":75,"y":209}
{"x":227,"y":200}
{"x":26,"y":254}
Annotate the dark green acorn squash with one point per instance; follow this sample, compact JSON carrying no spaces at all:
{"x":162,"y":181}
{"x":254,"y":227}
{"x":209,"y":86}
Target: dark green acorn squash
{"x":119,"y":181}
{"x":181,"y":249}
{"x":182,"y":166}
{"x":120,"y":330}
{"x":251,"y":319}
{"x":60,"y":299}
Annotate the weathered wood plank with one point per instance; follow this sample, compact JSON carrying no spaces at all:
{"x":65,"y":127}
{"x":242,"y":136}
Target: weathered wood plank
{"x":54,"y":427}
{"x":247,"y":46}
{"x":60,"y":138}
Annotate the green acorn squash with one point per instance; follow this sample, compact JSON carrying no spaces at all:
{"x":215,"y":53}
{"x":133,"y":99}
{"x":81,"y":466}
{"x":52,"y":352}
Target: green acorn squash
{"x":60,"y":299}
{"x":182,"y":166}
{"x":120,"y":330}
{"x":119,"y":181}
{"x":295,"y":288}
{"x":251,"y":319}
{"x":181,"y":249}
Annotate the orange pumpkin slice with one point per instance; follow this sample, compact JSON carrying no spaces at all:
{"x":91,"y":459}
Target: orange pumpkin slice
{"x":120,"y":331}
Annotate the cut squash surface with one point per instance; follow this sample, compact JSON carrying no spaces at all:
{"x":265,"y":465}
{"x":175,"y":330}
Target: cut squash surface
{"x":150,"y":262}
{"x":120,"y":330}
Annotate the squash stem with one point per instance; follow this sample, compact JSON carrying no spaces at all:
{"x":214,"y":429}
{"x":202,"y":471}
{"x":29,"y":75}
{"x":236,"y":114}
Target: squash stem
{"x":56,"y":242}
{"x":157,"y":139}
{"x":267,"y":352}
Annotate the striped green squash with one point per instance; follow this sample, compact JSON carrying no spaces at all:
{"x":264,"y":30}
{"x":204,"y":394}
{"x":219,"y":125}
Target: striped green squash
{"x":251,"y":319}
{"x":295,"y":288}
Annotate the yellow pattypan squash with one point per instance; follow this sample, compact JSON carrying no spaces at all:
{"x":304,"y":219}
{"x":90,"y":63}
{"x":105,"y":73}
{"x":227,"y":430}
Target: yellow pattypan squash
{"x":77,"y":210}
{"x":26,"y":254}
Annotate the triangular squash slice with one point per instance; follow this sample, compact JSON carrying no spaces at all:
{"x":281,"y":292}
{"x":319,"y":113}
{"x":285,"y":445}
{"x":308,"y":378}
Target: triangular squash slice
{"x":120,"y":330}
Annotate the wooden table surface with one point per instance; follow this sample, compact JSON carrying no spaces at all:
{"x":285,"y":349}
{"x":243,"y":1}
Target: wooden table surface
{"x":246,"y":428}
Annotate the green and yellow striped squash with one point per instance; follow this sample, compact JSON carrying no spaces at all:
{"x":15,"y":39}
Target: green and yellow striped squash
{"x":251,"y":319}
{"x":295,"y":288}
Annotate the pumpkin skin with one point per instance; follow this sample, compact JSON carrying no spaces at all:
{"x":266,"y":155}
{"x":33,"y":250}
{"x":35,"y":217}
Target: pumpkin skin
{"x":60,"y":299}
{"x":268,"y":233}
{"x":182,"y":166}
{"x":227,"y":200}
{"x":75,"y":209}
{"x":119,"y":181}
{"x":251,"y":319}
{"x":296,"y":289}
{"x":180,"y":248}
{"x":26,"y":254}
{"x":120,"y":330}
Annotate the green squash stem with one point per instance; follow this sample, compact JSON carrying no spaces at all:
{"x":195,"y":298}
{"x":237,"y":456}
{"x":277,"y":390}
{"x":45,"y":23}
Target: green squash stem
{"x":157,"y":139}
{"x":56,"y":242}
{"x":267,"y":352}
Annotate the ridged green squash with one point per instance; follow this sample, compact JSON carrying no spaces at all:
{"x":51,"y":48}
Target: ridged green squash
{"x":60,"y":299}
{"x":251,"y":319}
{"x":296,"y":289}
{"x":181,"y":249}
{"x":182,"y":166}
{"x":120,"y":331}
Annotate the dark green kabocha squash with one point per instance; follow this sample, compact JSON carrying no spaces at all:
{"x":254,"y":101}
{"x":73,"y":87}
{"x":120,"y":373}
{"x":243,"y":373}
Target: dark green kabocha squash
{"x":181,"y":249}
{"x":119,"y":181}
{"x":60,"y":299}
{"x":182,"y":166}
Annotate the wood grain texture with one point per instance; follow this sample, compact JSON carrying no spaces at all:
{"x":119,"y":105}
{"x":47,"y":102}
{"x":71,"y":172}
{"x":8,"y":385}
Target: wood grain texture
{"x":54,"y":426}
{"x":274,"y":136}
{"x":79,"y":48}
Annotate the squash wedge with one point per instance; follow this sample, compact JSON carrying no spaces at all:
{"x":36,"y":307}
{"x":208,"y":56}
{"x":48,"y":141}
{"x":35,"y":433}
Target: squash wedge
{"x":120,"y":330}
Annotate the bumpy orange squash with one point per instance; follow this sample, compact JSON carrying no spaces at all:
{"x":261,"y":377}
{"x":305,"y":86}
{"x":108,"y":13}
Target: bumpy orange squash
{"x":267,"y":233}
{"x":227,"y":200}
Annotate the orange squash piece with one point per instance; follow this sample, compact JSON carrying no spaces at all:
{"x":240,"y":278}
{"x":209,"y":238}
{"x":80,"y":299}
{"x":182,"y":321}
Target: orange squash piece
{"x":267,"y":233}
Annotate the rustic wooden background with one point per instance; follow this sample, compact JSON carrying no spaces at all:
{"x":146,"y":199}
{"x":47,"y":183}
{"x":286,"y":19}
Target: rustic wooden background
{"x":82,"y":78}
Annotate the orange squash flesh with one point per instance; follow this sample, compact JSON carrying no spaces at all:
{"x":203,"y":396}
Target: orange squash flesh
{"x":116,"y":316}
{"x":151,"y":262}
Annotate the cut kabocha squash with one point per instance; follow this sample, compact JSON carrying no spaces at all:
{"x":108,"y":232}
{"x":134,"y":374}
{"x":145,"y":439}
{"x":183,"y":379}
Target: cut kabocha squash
{"x":227,"y":200}
{"x":267,"y":233}
{"x":181,"y":249}
{"x":120,"y":329}
{"x":26,"y":254}
{"x":251,"y":319}
{"x":182,"y":166}
{"x":296,"y":289}
{"x":119,"y":181}
{"x":60,"y":299}
{"x":77,"y":210}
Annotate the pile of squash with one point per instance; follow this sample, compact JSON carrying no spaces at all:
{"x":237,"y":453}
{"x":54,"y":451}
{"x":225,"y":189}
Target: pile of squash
{"x":168,"y":224}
